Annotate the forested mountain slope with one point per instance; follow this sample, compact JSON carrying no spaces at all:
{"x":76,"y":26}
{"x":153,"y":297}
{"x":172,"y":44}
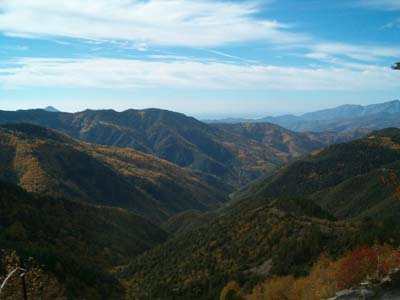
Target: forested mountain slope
{"x":358,"y":178}
{"x":327,"y":203}
{"x":245,"y":242}
{"x":45,"y":161}
{"x":294,"y":144}
{"x":79,"y":243}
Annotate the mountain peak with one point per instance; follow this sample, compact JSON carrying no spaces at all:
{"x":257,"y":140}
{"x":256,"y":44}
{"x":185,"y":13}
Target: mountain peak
{"x":51,"y":109}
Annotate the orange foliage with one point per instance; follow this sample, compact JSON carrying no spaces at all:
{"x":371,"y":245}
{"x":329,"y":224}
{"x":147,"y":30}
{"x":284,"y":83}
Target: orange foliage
{"x":366,"y":262}
{"x":327,"y":276}
{"x":357,"y":265}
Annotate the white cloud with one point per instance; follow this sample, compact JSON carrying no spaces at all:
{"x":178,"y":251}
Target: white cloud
{"x":203,"y":24}
{"x":199,"y":23}
{"x":140,"y":24}
{"x":123,"y":73}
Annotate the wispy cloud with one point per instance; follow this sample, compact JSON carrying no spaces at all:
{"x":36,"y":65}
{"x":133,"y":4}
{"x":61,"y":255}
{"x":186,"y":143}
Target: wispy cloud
{"x":14,"y":48}
{"x":392,"y":25}
{"x":197,"y":23}
{"x":123,"y":73}
{"x":234,"y":57}
{"x":366,"y":53}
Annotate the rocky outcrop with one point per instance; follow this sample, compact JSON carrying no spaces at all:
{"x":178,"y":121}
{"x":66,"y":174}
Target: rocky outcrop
{"x":387,"y":288}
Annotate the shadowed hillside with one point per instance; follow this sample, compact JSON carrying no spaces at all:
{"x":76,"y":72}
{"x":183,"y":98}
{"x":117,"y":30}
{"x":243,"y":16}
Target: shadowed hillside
{"x":79,"y":243}
{"x":358,"y":178}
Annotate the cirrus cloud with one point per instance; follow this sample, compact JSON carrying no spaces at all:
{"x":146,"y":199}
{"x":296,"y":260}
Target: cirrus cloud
{"x":196,"y":23}
{"x":368,"y":53}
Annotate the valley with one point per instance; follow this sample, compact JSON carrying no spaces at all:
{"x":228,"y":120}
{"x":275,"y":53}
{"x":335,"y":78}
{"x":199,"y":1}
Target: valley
{"x":151,"y":226}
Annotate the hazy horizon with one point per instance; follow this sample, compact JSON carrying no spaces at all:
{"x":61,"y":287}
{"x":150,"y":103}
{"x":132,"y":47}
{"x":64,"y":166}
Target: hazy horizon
{"x":198,"y":116}
{"x":204,"y":58}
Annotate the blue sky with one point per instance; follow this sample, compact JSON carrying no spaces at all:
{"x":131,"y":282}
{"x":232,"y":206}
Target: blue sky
{"x":201,"y":57}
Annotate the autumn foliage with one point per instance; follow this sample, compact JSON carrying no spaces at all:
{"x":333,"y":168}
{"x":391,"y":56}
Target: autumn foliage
{"x":392,"y":181}
{"x":366,"y":262}
{"x":328,"y":276}
{"x":321,"y":283}
{"x":231,"y":291}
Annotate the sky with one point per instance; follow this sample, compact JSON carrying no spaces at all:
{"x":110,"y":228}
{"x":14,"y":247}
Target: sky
{"x":205,"y":58}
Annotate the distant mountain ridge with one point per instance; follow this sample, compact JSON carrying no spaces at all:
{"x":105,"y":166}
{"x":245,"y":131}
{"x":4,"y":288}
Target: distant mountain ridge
{"x":233,"y":156}
{"x":344,"y":118}
{"x":353,"y":111}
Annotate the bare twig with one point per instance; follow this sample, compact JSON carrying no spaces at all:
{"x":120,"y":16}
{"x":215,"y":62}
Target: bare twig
{"x":9,"y":276}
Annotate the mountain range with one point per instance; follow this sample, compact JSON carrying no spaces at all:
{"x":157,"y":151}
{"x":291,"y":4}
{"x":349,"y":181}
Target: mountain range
{"x":233,"y":155}
{"x":345,"y":118}
{"x":152,"y":204}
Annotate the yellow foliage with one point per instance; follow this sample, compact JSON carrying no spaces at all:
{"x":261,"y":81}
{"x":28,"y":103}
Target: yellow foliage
{"x":231,"y":291}
{"x":320,"y":284}
{"x":278,"y":289}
